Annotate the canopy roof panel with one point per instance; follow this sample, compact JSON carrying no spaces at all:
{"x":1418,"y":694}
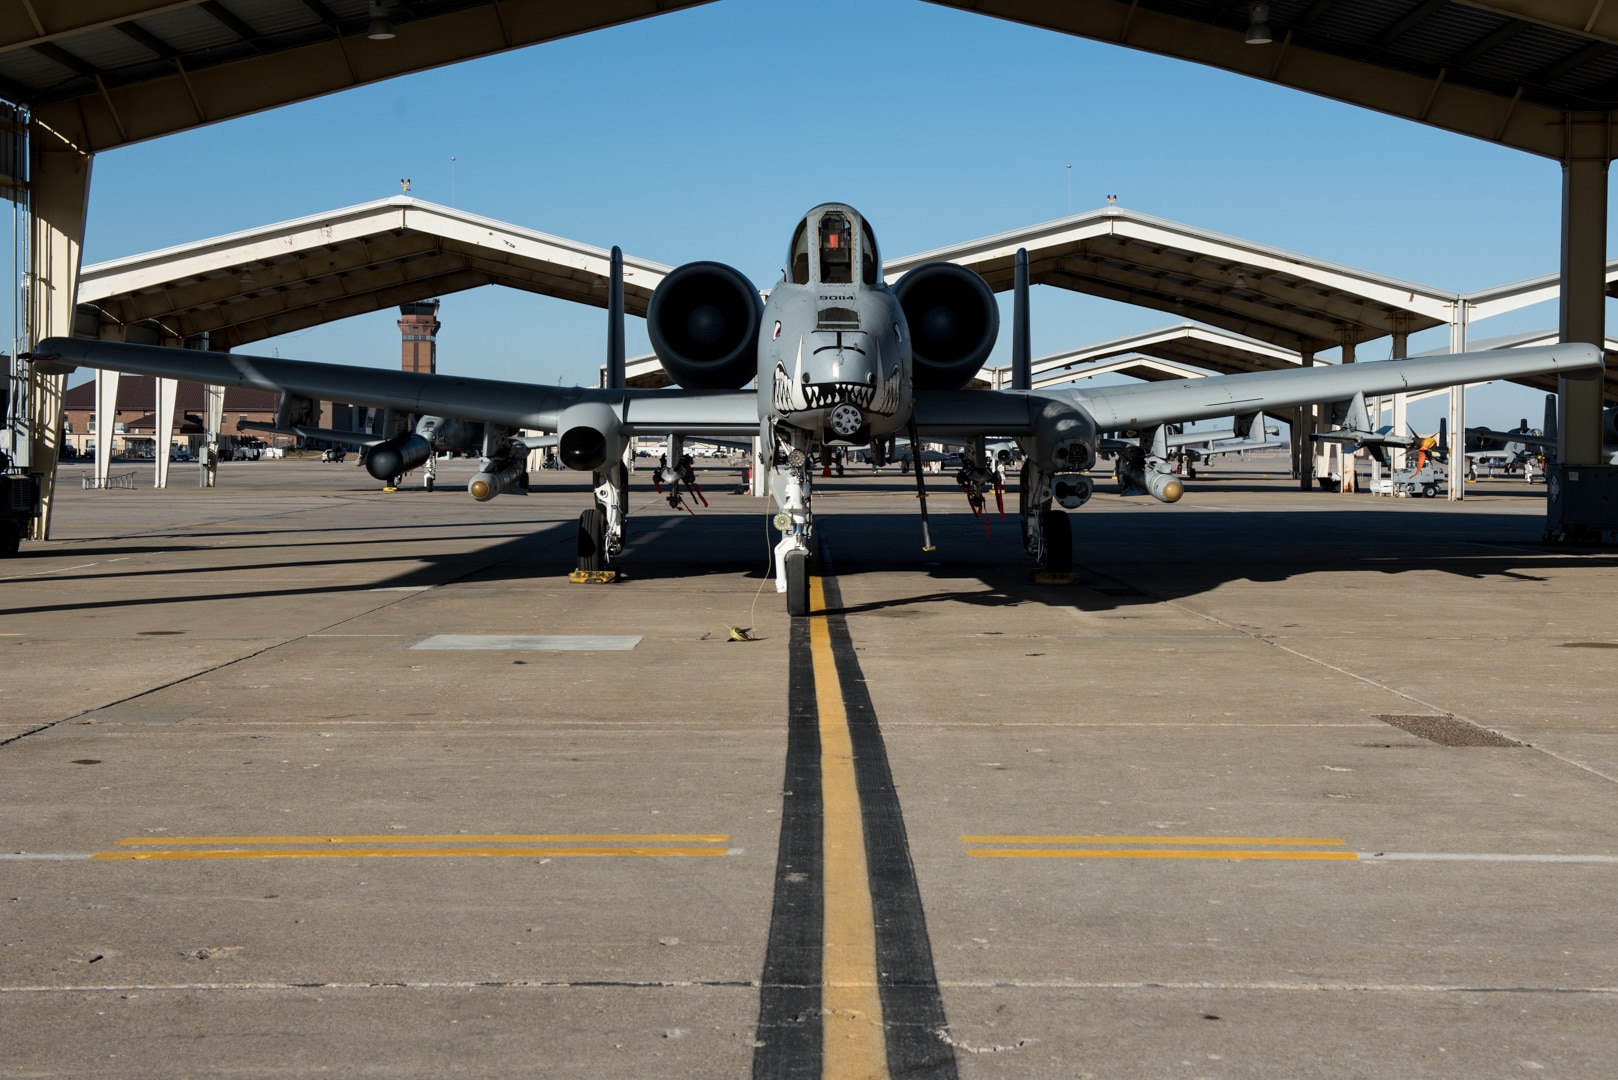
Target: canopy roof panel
{"x":1277,"y":296}
{"x":282,"y":278}
{"x":104,"y":73}
{"x":1538,"y":75}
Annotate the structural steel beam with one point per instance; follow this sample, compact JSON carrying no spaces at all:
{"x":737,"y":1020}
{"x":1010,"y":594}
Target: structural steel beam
{"x":1438,"y":101}
{"x":195,"y":94}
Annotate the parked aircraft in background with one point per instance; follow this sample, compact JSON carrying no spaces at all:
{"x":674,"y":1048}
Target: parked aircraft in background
{"x":1184,"y":449}
{"x":841,"y":360}
{"x":1524,"y":443}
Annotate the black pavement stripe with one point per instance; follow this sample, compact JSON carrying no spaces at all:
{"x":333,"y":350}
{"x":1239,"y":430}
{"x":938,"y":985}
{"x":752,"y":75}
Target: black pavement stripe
{"x":789,"y":1022}
{"x":912,"y":1007}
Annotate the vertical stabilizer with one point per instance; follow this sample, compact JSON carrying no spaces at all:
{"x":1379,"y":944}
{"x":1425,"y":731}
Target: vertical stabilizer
{"x":1022,"y":355}
{"x":616,"y":374}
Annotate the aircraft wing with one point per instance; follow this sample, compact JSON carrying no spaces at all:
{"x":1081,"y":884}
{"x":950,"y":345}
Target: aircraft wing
{"x":1148,"y":404}
{"x":497,"y":401}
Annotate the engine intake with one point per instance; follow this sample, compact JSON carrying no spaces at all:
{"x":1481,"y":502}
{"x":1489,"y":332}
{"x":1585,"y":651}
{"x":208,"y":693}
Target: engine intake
{"x":703,"y":321}
{"x":953,"y":322}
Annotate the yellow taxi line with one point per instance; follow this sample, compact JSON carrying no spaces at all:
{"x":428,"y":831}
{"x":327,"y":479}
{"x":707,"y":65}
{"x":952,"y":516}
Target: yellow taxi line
{"x":854,"y":1042}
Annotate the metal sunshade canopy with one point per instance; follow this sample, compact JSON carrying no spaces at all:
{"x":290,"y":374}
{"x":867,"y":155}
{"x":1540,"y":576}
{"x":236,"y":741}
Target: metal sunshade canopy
{"x":286,"y":277}
{"x":1537,"y":75}
{"x":106,"y":73}
{"x":1276,"y":296}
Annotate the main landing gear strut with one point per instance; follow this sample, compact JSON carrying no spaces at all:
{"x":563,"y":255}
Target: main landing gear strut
{"x":601,"y":528}
{"x":1046,"y":533}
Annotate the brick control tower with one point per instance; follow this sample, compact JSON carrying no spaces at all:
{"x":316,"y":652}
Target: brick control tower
{"x":419,"y":326}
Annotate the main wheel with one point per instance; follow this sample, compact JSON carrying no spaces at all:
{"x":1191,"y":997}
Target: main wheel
{"x":593,"y":539}
{"x":428,"y":483}
{"x":1058,"y":542}
{"x":797,"y":567}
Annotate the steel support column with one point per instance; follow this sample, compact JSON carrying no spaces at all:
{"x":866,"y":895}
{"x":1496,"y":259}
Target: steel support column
{"x":214,"y":410}
{"x":60,"y":194}
{"x":1345,"y":456}
{"x":1400,"y":419}
{"x":1303,"y":438}
{"x":106,"y":422}
{"x":1583,"y":305}
{"x":1455,"y":478}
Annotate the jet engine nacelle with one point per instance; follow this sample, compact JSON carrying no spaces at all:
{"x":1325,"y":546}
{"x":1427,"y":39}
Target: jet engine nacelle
{"x":397,"y":456}
{"x":953,"y":322}
{"x":1609,"y":426}
{"x":703,"y":321}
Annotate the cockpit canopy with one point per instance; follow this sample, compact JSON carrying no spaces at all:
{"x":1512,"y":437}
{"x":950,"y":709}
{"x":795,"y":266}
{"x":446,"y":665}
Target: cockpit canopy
{"x":830,"y":242}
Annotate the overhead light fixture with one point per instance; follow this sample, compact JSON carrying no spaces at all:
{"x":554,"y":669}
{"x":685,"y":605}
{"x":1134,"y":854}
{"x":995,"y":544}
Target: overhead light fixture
{"x":1258,"y":24}
{"x":381,"y":29}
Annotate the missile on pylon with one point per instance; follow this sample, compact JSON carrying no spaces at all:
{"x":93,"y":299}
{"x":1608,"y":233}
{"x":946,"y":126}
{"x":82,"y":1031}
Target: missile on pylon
{"x":497,"y":477}
{"x":1162,"y":486}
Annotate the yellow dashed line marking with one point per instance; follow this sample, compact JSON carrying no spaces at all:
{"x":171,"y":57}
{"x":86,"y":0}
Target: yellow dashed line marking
{"x":401,"y":853}
{"x":447,"y":838}
{"x":558,"y":845}
{"x":1121,"y":853}
{"x":1208,"y":847}
{"x":1303,"y":841}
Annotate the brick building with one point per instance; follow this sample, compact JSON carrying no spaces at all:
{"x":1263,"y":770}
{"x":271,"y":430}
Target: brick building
{"x":137,"y":400}
{"x":134,"y":421}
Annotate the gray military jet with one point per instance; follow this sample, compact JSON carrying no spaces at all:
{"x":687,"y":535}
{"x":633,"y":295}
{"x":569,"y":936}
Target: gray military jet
{"x":1524,"y":443}
{"x":840,"y":359}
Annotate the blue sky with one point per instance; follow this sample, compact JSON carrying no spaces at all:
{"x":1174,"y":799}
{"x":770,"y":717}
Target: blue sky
{"x":704,"y":134}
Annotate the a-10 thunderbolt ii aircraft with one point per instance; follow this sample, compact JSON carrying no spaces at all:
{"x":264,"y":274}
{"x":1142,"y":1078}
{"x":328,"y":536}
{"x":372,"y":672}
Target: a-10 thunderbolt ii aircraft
{"x":839,"y":359}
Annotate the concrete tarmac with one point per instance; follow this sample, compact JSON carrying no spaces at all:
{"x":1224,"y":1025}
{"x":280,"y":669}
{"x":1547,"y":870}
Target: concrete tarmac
{"x":1156,"y":820}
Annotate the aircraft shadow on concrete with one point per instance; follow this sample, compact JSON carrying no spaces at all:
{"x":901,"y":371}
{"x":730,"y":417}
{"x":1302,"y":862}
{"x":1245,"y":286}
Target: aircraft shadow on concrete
{"x":1124,"y":558}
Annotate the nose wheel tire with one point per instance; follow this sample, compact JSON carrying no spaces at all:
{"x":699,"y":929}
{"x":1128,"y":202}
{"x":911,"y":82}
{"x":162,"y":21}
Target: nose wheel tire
{"x":593,"y":540}
{"x":1058,"y":542}
{"x":797,"y":569}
